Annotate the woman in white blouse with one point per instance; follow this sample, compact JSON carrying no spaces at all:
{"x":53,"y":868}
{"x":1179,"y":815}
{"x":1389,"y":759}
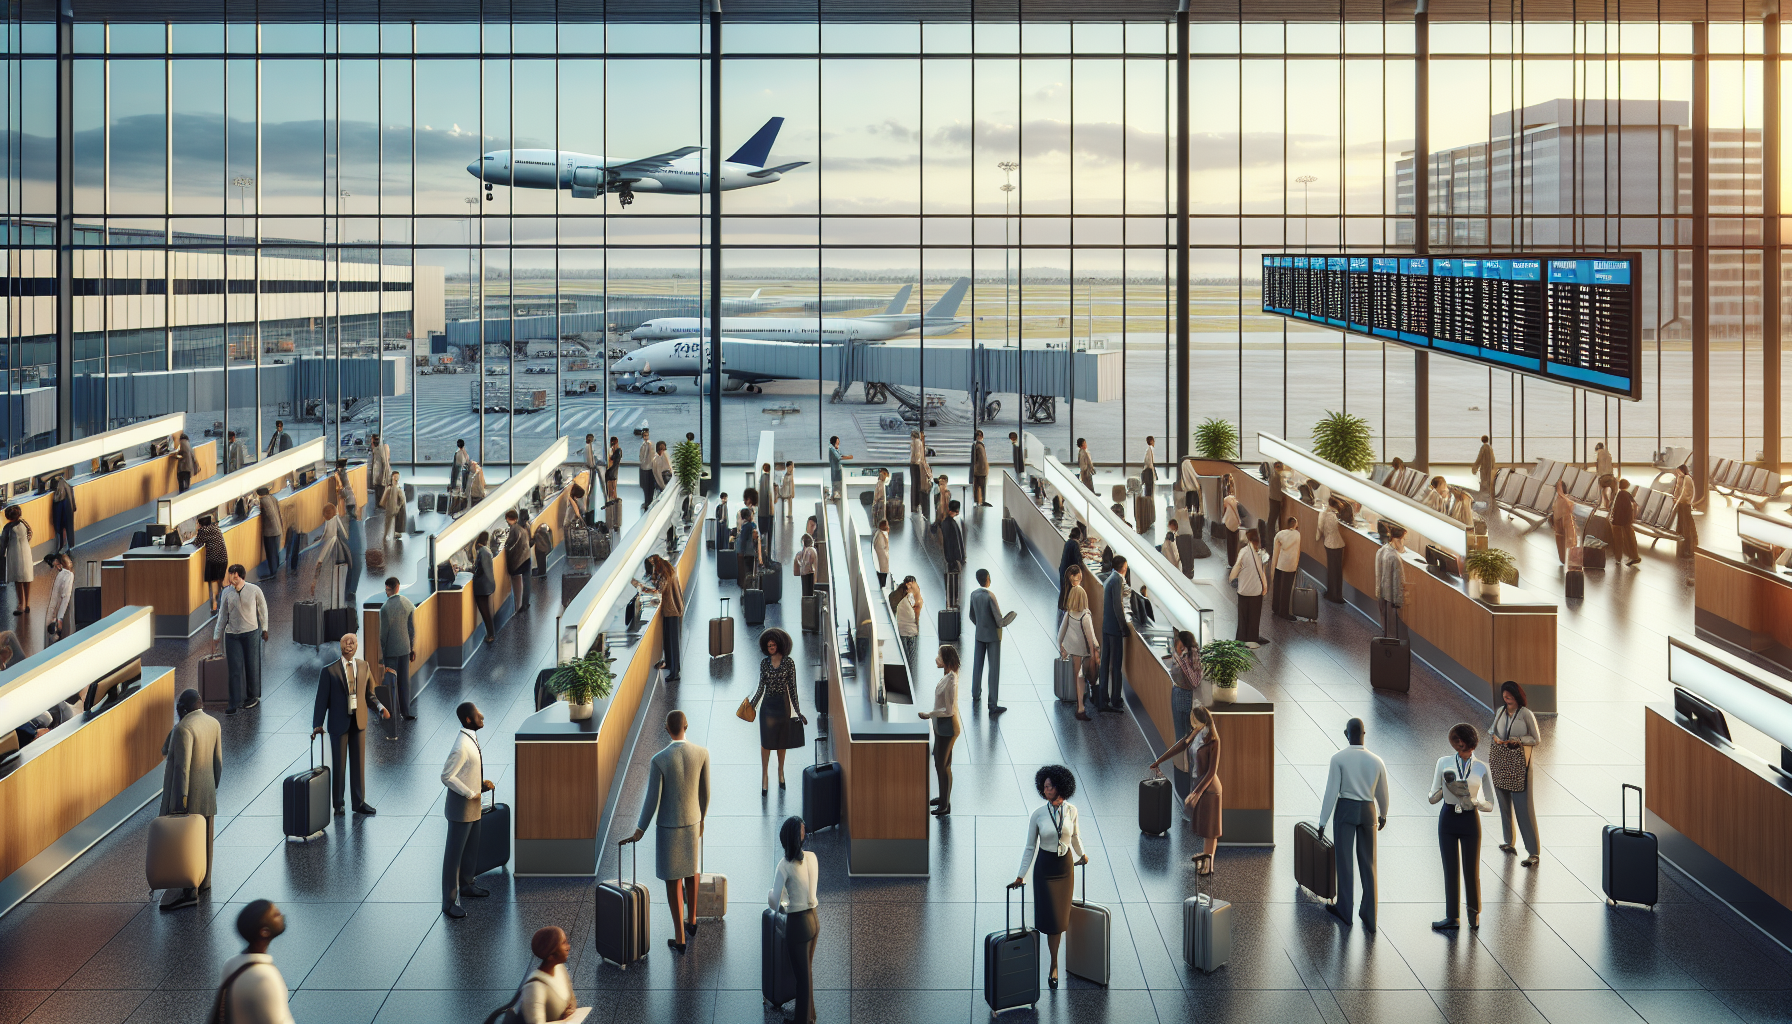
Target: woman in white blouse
{"x":787,"y":489}
{"x":793,"y":894}
{"x":1460,"y":782}
{"x":1077,"y":639}
{"x":546,"y":995}
{"x":1253,"y":581}
{"x":880,"y":546}
{"x":1053,"y":849}
{"x":944,"y":717}
{"x":908,"y":619}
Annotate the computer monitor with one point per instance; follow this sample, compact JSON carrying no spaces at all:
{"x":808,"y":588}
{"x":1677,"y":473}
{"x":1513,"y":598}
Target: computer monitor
{"x":1701,"y":713}
{"x":1441,"y":561}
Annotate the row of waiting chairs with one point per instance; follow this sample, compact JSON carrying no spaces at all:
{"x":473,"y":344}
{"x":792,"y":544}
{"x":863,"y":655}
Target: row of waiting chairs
{"x":1744,"y":482}
{"x":1531,"y":491}
{"x":1409,"y":482}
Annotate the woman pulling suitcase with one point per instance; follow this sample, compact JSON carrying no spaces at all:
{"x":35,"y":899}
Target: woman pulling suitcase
{"x":1053,"y":839}
{"x":1204,"y":800}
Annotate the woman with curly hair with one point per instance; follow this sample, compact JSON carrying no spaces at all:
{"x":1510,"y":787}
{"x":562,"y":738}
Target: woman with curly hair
{"x":1052,"y":839}
{"x":781,"y":717}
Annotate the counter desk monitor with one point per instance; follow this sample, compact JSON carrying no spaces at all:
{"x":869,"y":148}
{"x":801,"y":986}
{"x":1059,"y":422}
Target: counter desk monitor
{"x":1703,"y":714}
{"x":1573,"y":318}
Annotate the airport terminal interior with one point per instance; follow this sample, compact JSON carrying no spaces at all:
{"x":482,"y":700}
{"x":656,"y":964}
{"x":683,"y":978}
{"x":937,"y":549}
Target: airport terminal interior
{"x":1266,"y":511}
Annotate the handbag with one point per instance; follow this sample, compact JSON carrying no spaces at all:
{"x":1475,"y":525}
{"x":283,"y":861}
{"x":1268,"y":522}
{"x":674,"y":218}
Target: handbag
{"x":1508,"y":766}
{"x":746,"y":711}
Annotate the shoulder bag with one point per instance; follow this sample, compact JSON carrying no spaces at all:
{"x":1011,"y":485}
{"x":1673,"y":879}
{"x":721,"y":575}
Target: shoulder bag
{"x":1508,"y":766}
{"x":746,"y":712}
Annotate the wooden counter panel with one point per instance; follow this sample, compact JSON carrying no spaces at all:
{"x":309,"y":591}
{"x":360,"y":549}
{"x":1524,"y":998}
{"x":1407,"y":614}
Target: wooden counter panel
{"x":1453,"y":622}
{"x":1150,"y":682}
{"x":172,"y":586}
{"x":42,"y":799}
{"x":455,"y":615}
{"x":1524,"y":650}
{"x":1247,"y":758}
{"x":889,"y":789}
{"x":100,"y":498}
{"x":1735,"y":815}
{"x":1761,"y":606}
{"x":559,"y":790}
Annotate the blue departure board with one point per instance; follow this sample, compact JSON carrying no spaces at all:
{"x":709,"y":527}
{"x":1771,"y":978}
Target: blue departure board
{"x":1573,"y":318}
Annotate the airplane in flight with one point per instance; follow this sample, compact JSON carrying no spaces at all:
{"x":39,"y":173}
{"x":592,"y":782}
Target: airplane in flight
{"x":941,"y":319}
{"x":682,"y":171}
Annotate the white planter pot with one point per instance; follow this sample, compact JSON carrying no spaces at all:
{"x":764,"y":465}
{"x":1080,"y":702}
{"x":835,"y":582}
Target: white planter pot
{"x":1225,"y":695}
{"x":580,"y":712}
{"x":1485,"y":591}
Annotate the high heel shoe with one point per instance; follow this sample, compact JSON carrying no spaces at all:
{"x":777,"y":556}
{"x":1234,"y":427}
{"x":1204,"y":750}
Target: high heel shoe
{"x":1053,"y":980}
{"x":780,"y":780}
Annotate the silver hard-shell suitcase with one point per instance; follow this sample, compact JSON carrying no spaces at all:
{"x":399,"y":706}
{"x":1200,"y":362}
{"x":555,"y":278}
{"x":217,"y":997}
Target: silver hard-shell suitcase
{"x":1206,"y":932}
{"x":1091,"y":938}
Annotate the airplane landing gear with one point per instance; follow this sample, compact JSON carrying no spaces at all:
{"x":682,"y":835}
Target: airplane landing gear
{"x":488,"y":191}
{"x":1040,"y":408}
{"x":876,"y":394}
{"x":626,"y":196}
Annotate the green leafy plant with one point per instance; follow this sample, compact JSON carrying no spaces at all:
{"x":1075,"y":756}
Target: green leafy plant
{"x":1223,"y":661}
{"x":583,"y":680}
{"x":1344,"y":440}
{"x":1216,"y":439}
{"x":1489,"y":565}
{"x":687,"y":465}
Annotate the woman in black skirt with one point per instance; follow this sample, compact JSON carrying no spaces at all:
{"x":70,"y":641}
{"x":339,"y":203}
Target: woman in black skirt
{"x":1053,"y":849}
{"x":781,"y":718}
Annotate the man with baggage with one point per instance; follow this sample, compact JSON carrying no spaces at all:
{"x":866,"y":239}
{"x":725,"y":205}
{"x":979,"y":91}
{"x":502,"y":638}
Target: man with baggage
{"x":193,"y":766}
{"x":242,"y":627}
{"x":1285,"y":559}
{"x":746,"y":546}
{"x":1116,"y":600}
{"x":344,"y":693}
{"x":464,"y":777}
{"x":952,"y":542}
{"x":986,"y":615}
{"x":253,"y":991}
{"x":1356,"y":802}
{"x":678,"y":792}
{"x":1390,"y":581}
{"x":398,"y":644}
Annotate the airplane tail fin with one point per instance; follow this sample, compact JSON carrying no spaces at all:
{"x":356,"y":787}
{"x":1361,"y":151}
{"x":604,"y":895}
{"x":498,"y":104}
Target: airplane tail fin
{"x":949,"y":302}
{"x":755,"y":294}
{"x":900,"y":302}
{"x":759,"y":147}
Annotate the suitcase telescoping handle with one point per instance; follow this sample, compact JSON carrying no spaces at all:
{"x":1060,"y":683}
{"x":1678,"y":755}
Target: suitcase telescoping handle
{"x":1008,"y":906}
{"x":1624,"y":809}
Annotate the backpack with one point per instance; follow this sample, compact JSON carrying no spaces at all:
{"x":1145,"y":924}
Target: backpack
{"x":220,"y":1013}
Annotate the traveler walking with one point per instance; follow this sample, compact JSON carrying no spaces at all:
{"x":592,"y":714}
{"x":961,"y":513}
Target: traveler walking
{"x":1356,"y":798}
{"x":463,"y":775}
{"x":678,"y":794}
{"x":1053,"y":849}
{"x":242,"y":627}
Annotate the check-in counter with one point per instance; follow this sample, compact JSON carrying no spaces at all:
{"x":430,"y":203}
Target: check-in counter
{"x":1746,"y":601}
{"x":102,"y":496}
{"x":566,"y":770}
{"x":1717,"y":798}
{"x":873,"y":729}
{"x":62,"y":793}
{"x":172,"y":580}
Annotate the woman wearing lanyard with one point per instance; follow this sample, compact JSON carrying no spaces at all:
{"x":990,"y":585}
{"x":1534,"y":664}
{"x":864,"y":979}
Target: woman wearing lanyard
{"x":1459,"y":782}
{"x":1515,"y":737}
{"x":793,"y":894}
{"x":1052,"y":839}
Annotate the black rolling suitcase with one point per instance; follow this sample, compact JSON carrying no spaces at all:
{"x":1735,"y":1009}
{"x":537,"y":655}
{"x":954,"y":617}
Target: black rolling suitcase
{"x":494,"y":838}
{"x":771,"y":580}
{"x":1303,"y":603}
{"x":295,"y":546}
{"x":1010,"y":530}
{"x":777,"y":979}
{"x":339,"y":622}
{"x":752,"y":603}
{"x":305,"y":800}
{"x":307,"y":623}
{"x":821,"y":794}
{"x":622,"y":924}
{"x":1157,"y":799}
{"x":87,"y":599}
{"x":1315,"y":867}
{"x":1390,"y":664}
{"x":214,"y":681}
{"x":727,"y":564}
{"x":1011,"y":961}
{"x":1629,"y":872}
{"x":1064,"y":680}
{"x":1575,"y":585}
{"x":951,"y":625}
{"x":812,"y":613}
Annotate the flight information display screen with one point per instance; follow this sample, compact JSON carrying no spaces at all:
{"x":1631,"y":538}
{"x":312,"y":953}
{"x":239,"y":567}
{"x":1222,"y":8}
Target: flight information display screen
{"x":1572,"y":318}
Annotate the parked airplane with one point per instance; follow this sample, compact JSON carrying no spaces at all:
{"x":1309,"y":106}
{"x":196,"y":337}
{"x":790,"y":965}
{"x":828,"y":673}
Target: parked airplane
{"x":940,"y":319}
{"x":682,"y":171}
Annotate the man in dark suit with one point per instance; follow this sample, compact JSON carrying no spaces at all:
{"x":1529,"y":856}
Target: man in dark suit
{"x":1114,"y":597}
{"x":986,"y":614}
{"x":344,"y":693}
{"x":952,"y":542}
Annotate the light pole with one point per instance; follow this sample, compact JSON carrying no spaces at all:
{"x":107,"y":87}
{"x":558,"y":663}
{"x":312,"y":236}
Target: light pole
{"x":1305,"y":180}
{"x":1007,"y":167}
{"x":472,"y":204}
{"x":242,"y":183}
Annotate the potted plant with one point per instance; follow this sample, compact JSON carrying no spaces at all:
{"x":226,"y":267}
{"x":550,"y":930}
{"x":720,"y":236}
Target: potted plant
{"x":1486,"y":567}
{"x":1216,"y":439}
{"x":687,"y":466}
{"x":1344,"y":440}
{"x":1222,"y":662}
{"x":582,"y":682}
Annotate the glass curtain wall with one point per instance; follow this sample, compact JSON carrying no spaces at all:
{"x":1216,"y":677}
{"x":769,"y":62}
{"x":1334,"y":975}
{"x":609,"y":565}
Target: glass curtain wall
{"x":947,"y":226}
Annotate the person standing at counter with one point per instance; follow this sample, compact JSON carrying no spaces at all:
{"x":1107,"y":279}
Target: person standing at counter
{"x":952,"y":542}
{"x":793,"y":893}
{"x":236,"y":453}
{"x":1356,"y":803}
{"x":880,"y":547}
{"x":62,"y":512}
{"x":907,"y":606}
{"x":185,"y":465}
{"x":787,"y":489}
{"x":1253,"y":581}
{"x":678,"y":793}
{"x":1484,"y":467}
{"x":1331,"y":535}
{"x":1116,"y":599}
{"x":485,"y":583}
{"x":1278,"y":490}
{"x":746,"y":544}
{"x":1019,"y":456}
{"x":1077,"y":642}
{"x":1229,"y":518}
{"x":1459,"y":781}
{"x":392,"y":503}
{"x":1513,"y":738}
{"x":665,"y":585}
{"x":1285,"y":559}
{"x":344,"y":693}
{"x":1623,"y":524}
{"x":1561,"y":520}
{"x":1085,"y":467}
{"x":1204,"y":805}
{"x":944,"y":717}
{"x":979,"y":472}
{"x":193,"y":765}
{"x":803,"y":565}
{"x":208,"y":538}
{"x":272,"y":529}
{"x":1148,"y":468}
{"x":781,"y":717}
{"x":518,"y":551}
{"x":398,"y":644}
{"x":1053,"y":849}
{"x":464,"y":777}
{"x":332,"y":555}
{"x":15,"y":540}
{"x":1390,"y":581}
{"x":1072,"y":554}
{"x":58,"y":623}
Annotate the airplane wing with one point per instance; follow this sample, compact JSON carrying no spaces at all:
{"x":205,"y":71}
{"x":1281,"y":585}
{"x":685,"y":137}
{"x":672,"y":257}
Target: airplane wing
{"x":780,"y":169}
{"x":649,"y":164}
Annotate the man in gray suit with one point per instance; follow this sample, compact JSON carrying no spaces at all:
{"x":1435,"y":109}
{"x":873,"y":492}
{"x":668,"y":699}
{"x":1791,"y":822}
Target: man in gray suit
{"x":398,"y":644}
{"x":986,"y":615}
{"x":464,"y":777}
{"x":190,"y":776}
{"x":678,"y":791}
{"x":1115,"y":596}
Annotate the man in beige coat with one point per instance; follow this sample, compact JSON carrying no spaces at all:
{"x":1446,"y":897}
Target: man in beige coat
{"x":980,"y":472}
{"x":344,"y":695}
{"x":190,"y":776}
{"x":678,"y":791}
{"x":1484,"y":467}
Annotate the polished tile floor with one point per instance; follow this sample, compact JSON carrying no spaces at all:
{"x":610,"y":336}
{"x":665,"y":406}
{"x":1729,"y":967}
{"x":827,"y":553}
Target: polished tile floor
{"x":366,"y":941}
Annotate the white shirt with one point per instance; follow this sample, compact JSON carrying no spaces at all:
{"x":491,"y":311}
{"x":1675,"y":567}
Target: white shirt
{"x":61,"y":593}
{"x":545,"y":997}
{"x":805,"y":561}
{"x":945,"y":697}
{"x":1151,"y":459}
{"x":793,"y":884}
{"x":352,"y":675}
{"x":259,"y":995}
{"x":1172,"y":550}
{"x":907,"y":617}
{"x":244,"y":611}
{"x":1251,"y":582}
{"x":880,"y":546}
{"x":646,"y":454}
{"x":464,"y":772}
{"x":1475,"y":776}
{"x":1287,"y":551}
{"x":1331,"y":532}
{"x":1059,"y":836}
{"x":1354,"y":774}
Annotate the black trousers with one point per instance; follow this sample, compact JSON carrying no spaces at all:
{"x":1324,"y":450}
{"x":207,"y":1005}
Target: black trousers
{"x":484,"y":603}
{"x":808,"y":579}
{"x":1148,"y":483}
{"x":980,"y":488}
{"x":800,"y":932}
{"x":1113,"y":652}
{"x":183,"y":480}
{"x":349,"y":755}
{"x":270,"y":547}
{"x":765,"y":533}
{"x":917,"y":498}
{"x":669,"y":636}
{"x":1231,"y":547}
{"x":457,"y":859}
{"x":1250,"y":617}
{"x":401,"y":687}
{"x":942,"y":765}
{"x":1459,"y":841}
{"x":1284,"y":591}
{"x":1334,"y":575}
